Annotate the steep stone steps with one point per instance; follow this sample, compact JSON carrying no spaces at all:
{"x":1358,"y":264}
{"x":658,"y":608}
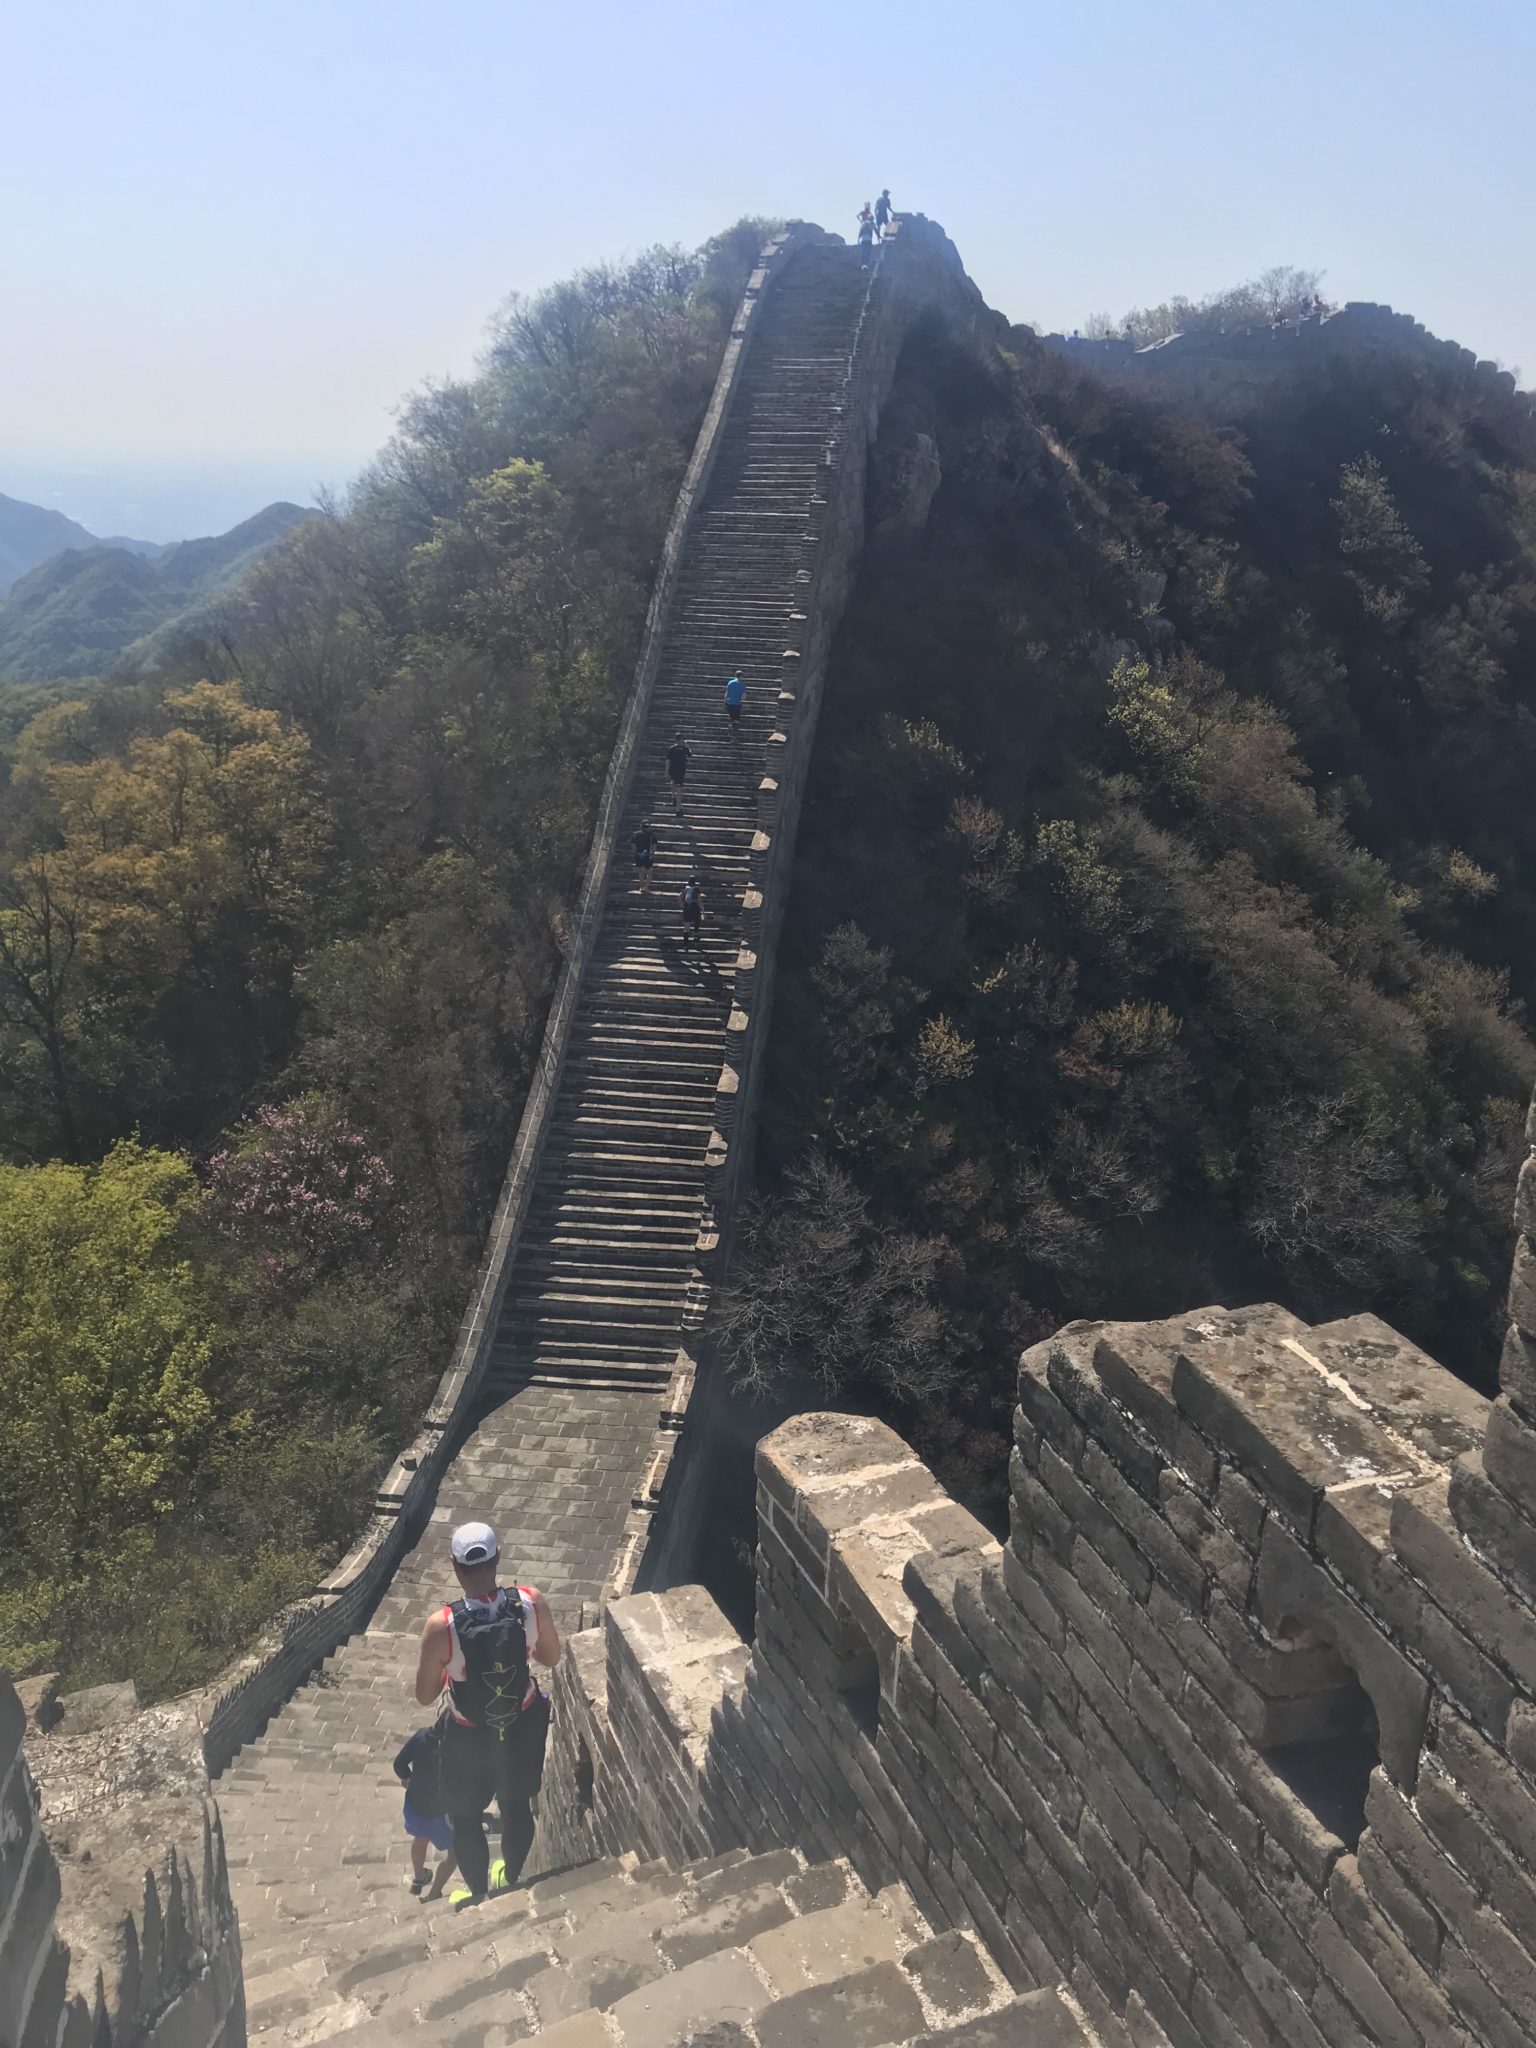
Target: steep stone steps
{"x":760,"y":1951}
{"x":605,"y":1285}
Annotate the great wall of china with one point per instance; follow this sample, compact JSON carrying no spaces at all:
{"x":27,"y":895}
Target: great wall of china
{"x":1232,"y":1744}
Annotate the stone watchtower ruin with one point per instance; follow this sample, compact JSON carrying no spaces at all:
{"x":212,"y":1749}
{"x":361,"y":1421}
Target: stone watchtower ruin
{"x":1230,"y":1744}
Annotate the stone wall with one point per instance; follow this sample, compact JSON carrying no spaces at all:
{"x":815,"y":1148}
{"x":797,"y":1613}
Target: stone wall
{"x":917,"y":273}
{"x":241,"y":1702}
{"x":1236,"y":1733}
{"x":1229,"y":371}
{"x":116,"y":1927}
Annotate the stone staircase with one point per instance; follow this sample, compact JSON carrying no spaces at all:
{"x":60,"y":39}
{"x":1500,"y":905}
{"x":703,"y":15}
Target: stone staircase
{"x":606,"y":1288}
{"x":737,"y":1952}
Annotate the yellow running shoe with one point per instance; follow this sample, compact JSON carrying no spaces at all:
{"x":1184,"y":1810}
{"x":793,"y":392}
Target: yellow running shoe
{"x":498,"y":1878}
{"x":461,"y":1896}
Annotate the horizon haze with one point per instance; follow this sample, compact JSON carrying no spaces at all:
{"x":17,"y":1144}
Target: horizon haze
{"x":246,"y":240}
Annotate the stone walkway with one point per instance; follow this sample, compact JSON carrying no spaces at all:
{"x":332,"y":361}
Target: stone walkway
{"x":605,"y":1288}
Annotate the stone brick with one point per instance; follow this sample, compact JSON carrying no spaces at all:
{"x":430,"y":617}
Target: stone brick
{"x":1509,"y":1453}
{"x":1391,"y":1890}
{"x":1093,"y":1521}
{"x":1036,"y":1510}
{"x":1522,"y":1286}
{"x":1134,"y":1363}
{"x":1241,"y":1506}
{"x":1145,"y":1526}
{"x":1429,"y":1543}
{"x":1219,"y":1553}
{"x":1464,"y":1834}
{"x":1495,"y":1525}
{"x":1517,"y":1369}
{"x":1052,"y":1420}
{"x":1407,"y":1982}
{"x":1105,"y":1424}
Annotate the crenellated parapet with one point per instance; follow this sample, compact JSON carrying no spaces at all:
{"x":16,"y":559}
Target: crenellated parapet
{"x":1234,"y":1735}
{"x":116,"y":1925}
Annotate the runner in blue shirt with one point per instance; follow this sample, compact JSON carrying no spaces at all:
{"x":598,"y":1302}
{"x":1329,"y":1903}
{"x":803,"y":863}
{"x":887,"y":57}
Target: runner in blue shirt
{"x":735,"y":697}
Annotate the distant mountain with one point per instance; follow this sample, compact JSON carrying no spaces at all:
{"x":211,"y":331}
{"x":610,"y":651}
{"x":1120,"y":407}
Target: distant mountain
{"x":29,"y":534}
{"x":97,"y":606}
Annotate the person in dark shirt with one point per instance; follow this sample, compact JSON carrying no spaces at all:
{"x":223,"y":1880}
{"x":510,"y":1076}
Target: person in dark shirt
{"x":883,"y":210}
{"x":647,"y":846}
{"x":693,"y":913}
{"x":679,"y":754}
{"x":425,"y":1831}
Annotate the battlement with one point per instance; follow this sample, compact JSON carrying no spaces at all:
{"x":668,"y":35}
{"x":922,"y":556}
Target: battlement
{"x":1235,"y":1735}
{"x":116,"y":1924}
{"x":1231,"y":370}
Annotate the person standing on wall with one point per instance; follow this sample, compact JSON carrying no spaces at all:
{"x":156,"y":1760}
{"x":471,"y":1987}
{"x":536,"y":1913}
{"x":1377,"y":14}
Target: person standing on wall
{"x":883,"y":210}
{"x":679,"y":754}
{"x":474,"y":1657}
{"x":866,"y":226}
{"x":735,"y":697}
{"x":692,"y":901}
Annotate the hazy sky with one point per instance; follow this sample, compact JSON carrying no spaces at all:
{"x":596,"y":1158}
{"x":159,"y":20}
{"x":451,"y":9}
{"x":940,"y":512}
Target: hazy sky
{"x":234,"y":233}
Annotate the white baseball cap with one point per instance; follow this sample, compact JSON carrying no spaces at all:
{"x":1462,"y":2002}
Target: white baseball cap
{"x":473,"y":1543}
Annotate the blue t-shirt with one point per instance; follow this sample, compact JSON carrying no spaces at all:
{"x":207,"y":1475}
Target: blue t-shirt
{"x":735,"y":690}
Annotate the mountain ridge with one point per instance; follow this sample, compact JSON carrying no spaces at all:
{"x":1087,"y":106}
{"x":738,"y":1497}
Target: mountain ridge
{"x":86,"y":608}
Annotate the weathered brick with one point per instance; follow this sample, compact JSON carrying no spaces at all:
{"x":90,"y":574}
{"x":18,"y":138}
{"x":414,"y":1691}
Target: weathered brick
{"x":1093,"y":1522}
{"x":1509,"y":1452}
{"x":1429,"y":1543}
{"x":1036,"y":1510}
{"x":1090,"y":1629}
{"x":1205,"y":1787}
{"x":1418,"y":1924}
{"x":1464,"y":1834}
{"x":1114,"y":1430}
{"x":1409,"y":1984}
{"x":1241,"y":1506}
{"x":1495,"y":1524}
{"x":1010,"y":1586}
{"x":1050,"y":1417}
{"x":929,"y":1582}
{"x":1145,"y":1526}
{"x":1134,"y":1365}
{"x":1215,"y":1548}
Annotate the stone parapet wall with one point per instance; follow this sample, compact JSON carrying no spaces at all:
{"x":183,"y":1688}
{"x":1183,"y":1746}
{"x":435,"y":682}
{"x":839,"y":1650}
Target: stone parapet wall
{"x":239,"y":1705}
{"x":1235,"y":1735}
{"x":116,"y":1925}
{"x":916,"y":273}
{"x":1231,"y":370}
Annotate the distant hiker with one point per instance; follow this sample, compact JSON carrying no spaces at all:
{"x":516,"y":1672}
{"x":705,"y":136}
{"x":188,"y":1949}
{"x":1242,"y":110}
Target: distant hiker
{"x":647,"y":846}
{"x":427,"y":1831}
{"x":883,"y":209}
{"x":679,"y":754}
{"x":489,"y":1738}
{"x":693,"y":913}
{"x":866,"y":226}
{"x":735,"y":697}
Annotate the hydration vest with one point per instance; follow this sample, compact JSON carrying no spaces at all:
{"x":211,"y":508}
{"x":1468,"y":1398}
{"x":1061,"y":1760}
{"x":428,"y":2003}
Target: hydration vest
{"x":494,"y":1644}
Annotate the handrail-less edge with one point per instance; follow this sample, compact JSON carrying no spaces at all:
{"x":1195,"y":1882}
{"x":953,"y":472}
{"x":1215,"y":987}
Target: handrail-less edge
{"x":240,"y":1702}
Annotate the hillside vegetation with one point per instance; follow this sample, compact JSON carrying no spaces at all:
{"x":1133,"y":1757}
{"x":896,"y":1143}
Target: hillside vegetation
{"x":103,"y":607}
{"x":278,"y":929}
{"x":1163,"y":927}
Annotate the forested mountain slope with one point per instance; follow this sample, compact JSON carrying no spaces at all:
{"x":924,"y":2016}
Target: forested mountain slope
{"x":278,"y":929}
{"x":30,"y":534}
{"x":1164,"y":925}
{"x":98,"y":606}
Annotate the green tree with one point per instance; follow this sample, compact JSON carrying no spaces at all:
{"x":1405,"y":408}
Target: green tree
{"x":107,"y":1331}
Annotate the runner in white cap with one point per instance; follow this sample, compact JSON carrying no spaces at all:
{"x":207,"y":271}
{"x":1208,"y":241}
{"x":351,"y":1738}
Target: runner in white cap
{"x":490,"y":1736}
